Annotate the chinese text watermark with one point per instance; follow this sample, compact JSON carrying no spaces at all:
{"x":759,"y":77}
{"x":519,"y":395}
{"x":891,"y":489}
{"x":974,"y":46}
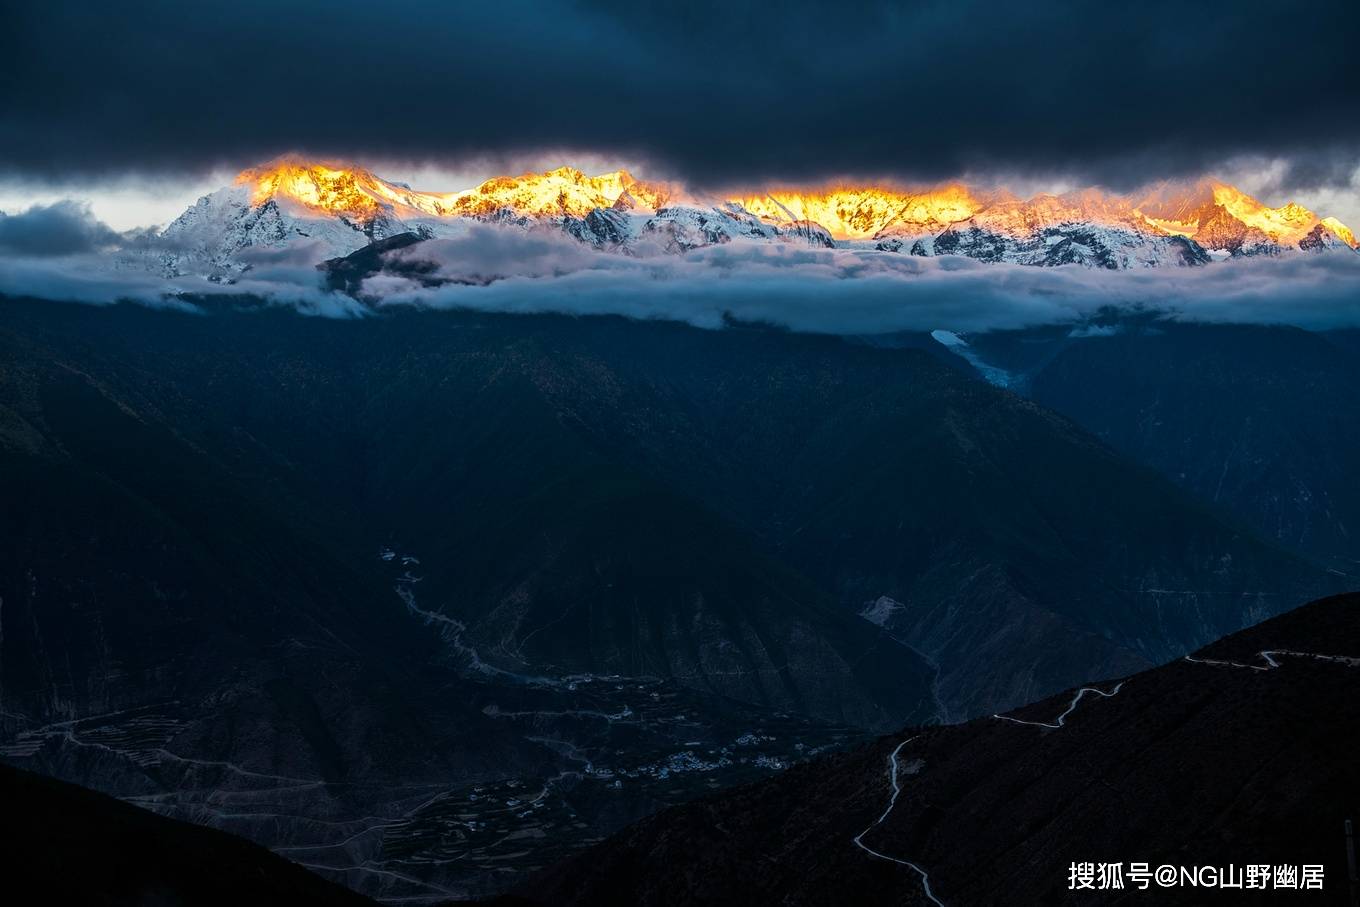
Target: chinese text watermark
{"x":1142,"y":876}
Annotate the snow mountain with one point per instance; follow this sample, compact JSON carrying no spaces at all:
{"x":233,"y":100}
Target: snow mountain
{"x":1222,"y":218}
{"x":339,"y":209}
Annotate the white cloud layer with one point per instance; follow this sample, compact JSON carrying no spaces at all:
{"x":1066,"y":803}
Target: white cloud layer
{"x":821,"y":290}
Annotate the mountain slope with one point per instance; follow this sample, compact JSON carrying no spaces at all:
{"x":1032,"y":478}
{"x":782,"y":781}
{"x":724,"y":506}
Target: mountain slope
{"x":1227,"y":758}
{"x":873,"y":473}
{"x":327,"y":583}
{"x":196,"y":616}
{"x":603,"y":574}
{"x":1222,"y":217}
{"x":881,"y":475}
{"x":1260,"y":420}
{"x":73,"y":846}
{"x":1278,"y":444}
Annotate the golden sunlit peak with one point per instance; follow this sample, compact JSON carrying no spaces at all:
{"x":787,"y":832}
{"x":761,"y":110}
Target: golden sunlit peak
{"x":849,"y":211}
{"x":329,"y":186}
{"x":566,"y":173}
{"x":1343,"y":232}
{"x":1287,"y":224}
{"x":853,"y":211}
{"x":564,"y":191}
{"x":352,"y":191}
{"x":291,"y":167}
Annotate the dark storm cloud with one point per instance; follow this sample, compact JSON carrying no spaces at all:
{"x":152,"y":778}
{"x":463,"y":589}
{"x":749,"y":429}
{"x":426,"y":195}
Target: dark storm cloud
{"x":62,"y":228}
{"x":716,"y":93}
{"x":1309,"y":170}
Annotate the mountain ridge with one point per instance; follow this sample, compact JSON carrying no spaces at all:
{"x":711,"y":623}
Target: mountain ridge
{"x":877,"y":822}
{"x":1224,"y":757}
{"x":334,"y":567}
{"x":124,"y":855}
{"x":344,"y":207}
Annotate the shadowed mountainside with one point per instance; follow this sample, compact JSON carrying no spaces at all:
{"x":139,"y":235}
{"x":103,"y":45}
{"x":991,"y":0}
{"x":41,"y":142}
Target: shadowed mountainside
{"x":1261,"y":421}
{"x":74,"y":846}
{"x":1013,"y":550}
{"x":1237,"y":755}
{"x":318,"y":581}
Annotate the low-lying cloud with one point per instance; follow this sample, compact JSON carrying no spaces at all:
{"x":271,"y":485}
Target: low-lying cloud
{"x":500,"y":269}
{"x":61,"y":228}
{"x":855,"y":291}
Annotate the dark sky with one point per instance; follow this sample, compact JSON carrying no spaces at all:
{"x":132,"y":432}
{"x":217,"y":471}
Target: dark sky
{"x":1108,"y":93}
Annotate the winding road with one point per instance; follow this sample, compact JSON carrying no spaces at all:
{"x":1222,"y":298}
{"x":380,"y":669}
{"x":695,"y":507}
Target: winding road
{"x":897,"y":787}
{"x":896,"y":790}
{"x":1070,"y":707}
{"x":1269,"y":656}
{"x":1270,"y":663}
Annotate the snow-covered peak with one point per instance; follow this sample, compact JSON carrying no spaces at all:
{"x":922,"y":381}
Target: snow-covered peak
{"x":565,"y":191}
{"x":339,"y":207}
{"x":867,"y":212}
{"x":1087,"y":206}
{"x":334,"y":208}
{"x":327,"y":188}
{"x":1221,"y":216}
{"x":1343,"y":232}
{"x":1176,"y":201}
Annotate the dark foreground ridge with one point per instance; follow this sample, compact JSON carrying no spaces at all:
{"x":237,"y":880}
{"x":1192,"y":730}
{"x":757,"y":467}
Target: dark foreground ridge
{"x":1226,"y":757}
{"x":67,"y":845}
{"x":1237,"y":754}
